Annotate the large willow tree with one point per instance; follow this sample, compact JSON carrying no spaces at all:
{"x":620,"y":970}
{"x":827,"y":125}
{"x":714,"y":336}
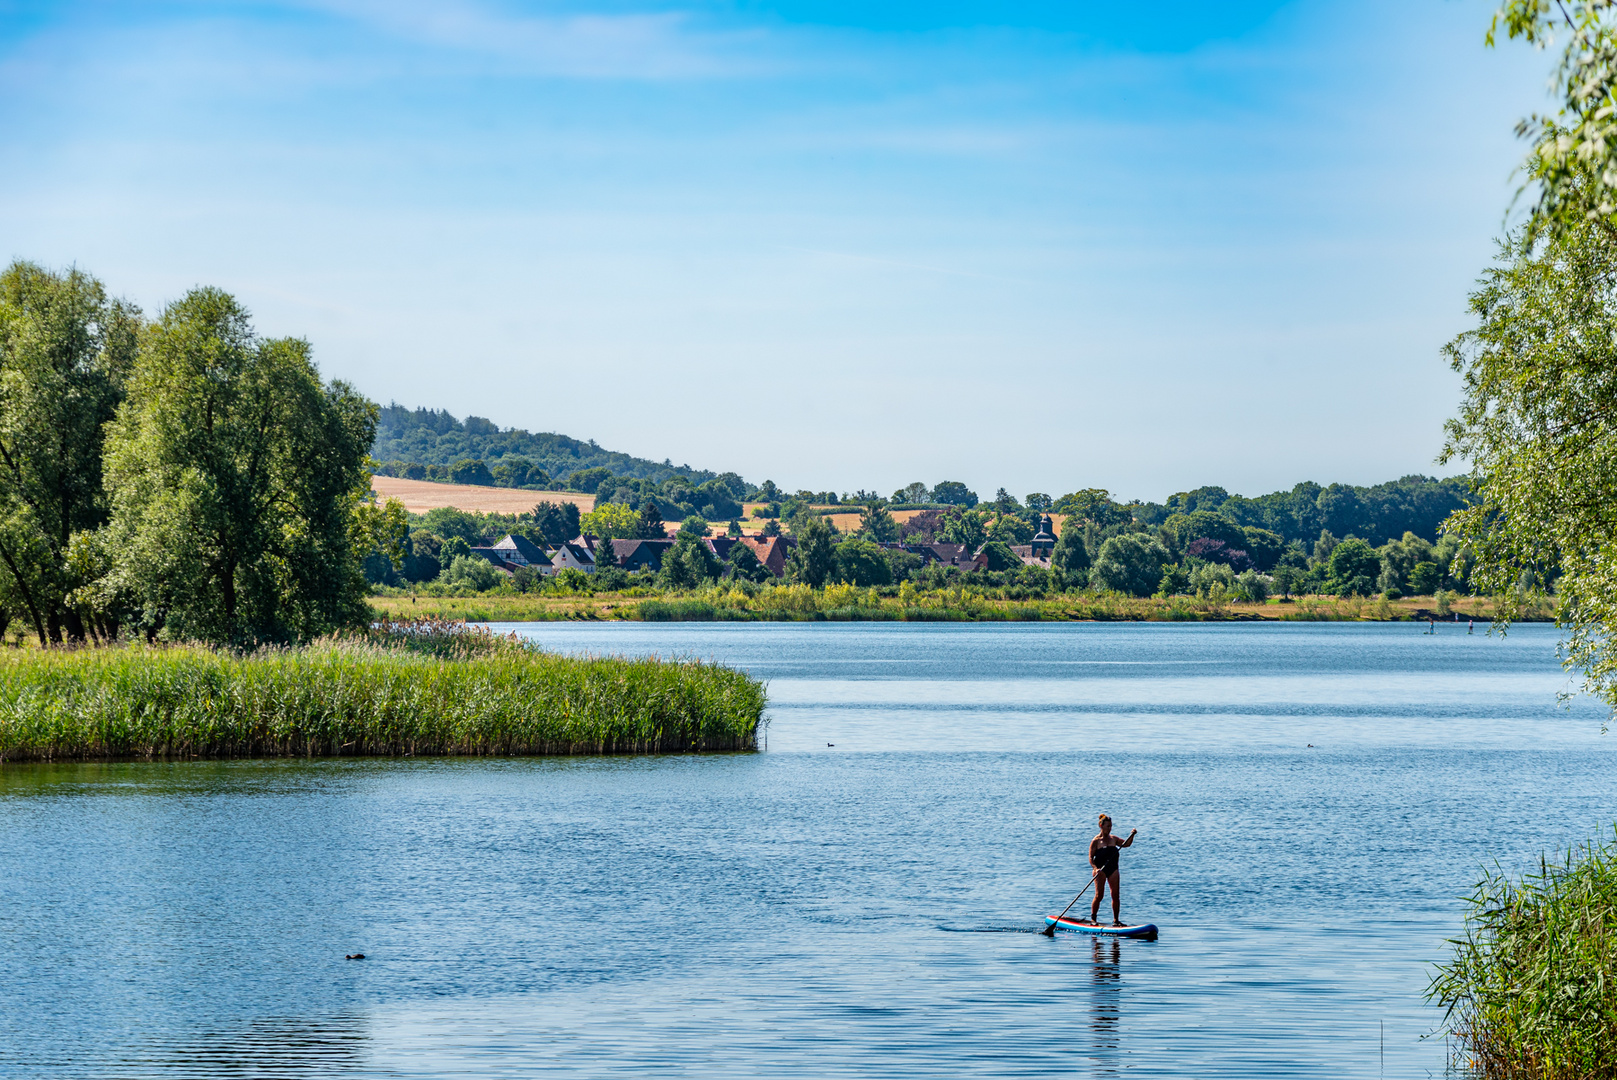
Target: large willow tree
{"x":239,"y":482}
{"x":65,"y":354}
{"x":1538,"y":422}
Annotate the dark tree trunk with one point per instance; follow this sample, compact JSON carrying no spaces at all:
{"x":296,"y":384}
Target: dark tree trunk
{"x":75,"y":627}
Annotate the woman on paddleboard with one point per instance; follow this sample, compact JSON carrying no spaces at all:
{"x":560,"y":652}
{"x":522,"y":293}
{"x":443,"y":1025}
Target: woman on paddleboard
{"x":1103,"y":857}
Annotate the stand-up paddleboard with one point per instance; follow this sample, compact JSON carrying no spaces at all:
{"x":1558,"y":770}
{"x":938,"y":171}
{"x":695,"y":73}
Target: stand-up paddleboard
{"x":1143,"y":930}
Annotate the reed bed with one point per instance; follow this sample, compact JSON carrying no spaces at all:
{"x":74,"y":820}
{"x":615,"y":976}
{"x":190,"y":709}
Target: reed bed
{"x":404,"y":689}
{"x":1531,"y":991}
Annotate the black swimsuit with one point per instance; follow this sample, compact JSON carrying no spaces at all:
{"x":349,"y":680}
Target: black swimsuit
{"x":1106,"y":860}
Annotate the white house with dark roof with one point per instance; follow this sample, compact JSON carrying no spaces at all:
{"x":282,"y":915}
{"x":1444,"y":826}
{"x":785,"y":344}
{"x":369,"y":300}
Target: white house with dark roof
{"x":520,"y":551}
{"x":573,"y":556}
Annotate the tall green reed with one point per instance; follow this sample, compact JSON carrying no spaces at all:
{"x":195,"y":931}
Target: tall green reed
{"x":398,"y":690}
{"x":1531,"y":991}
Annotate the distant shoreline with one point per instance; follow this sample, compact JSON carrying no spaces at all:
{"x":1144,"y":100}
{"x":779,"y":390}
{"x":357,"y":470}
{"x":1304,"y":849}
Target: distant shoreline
{"x":715,"y":606}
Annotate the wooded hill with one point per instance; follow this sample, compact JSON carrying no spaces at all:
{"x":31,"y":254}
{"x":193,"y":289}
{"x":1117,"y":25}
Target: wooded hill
{"x":433,"y":437}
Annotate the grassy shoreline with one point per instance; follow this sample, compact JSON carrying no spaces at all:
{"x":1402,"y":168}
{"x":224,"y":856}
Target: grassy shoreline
{"x":850,"y":604}
{"x":1531,"y":991}
{"x":450,"y":694}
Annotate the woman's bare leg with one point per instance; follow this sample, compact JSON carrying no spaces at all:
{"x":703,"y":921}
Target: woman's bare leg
{"x":1094,"y":905}
{"x":1117,"y":901}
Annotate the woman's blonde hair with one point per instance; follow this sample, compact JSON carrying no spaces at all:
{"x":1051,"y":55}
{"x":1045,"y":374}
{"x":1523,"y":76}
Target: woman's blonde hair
{"x":1106,"y":819}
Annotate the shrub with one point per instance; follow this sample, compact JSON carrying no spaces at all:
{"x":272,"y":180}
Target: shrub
{"x":474,"y":571}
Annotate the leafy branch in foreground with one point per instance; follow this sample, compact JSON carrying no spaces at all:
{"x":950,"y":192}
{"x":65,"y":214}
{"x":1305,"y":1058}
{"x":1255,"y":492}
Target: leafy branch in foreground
{"x":1574,"y":157}
{"x":1538,"y":422}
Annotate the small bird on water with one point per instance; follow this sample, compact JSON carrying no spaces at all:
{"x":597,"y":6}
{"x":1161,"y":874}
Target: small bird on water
{"x":830,"y":744}
{"x":355,"y":956}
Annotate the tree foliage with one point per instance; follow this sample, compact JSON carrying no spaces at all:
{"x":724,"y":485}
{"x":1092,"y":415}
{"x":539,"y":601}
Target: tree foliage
{"x":1130,"y":563}
{"x":876,"y":524}
{"x":1354,"y":568}
{"x":814,"y":558}
{"x":860,"y":562}
{"x":65,"y":355}
{"x":235,"y":477}
{"x":1573,"y":162}
{"x":1537,"y":423}
{"x":1070,"y":559}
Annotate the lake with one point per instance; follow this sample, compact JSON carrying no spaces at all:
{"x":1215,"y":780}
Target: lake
{"x":859,"y":900}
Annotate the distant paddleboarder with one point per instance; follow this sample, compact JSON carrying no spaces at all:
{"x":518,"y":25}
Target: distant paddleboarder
{"x":1103,"y":857}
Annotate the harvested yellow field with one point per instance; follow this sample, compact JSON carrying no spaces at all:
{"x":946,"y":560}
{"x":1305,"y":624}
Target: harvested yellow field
{"x":419,"y":496}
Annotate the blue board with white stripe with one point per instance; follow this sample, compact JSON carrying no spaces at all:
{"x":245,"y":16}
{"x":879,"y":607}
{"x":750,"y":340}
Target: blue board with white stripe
{"x":1075,"y":926}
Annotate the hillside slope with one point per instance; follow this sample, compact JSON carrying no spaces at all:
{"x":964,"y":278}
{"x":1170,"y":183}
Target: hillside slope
{"x":434,"y":437}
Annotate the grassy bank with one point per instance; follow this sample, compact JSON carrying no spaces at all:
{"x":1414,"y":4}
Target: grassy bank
{"x":1532,"y":989}
{"x":402,"y":691}
{"x":850,"y":603}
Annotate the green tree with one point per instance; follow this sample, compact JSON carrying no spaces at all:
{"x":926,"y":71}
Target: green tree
{"x":744,"y":564}
{"x":860,"y":562}
{"x":236,"y":476}
{"x":1175,"y":581}
{"x":614,"y":520}
{"x":1000,"y":556}
{"x":1399,"y":559}
{"x":1130,"y":563}
{"x":650,"y":525}
{"x":814,"y":559}
{"x":1264,"y":547}
{"x":954,"y":493}
{"x":733,"y":530}
{"x":965,"y":527}
{"x":446,"y":521}
{"x":1424,"y":579}
{"x":1038,"y":502}
{"x":1070,"y":559}
{"x":1574,"y":157}
{"x":1536,"y":422}
{"x":1093,"y":505}
{"x":65,"y":356}
{"x":473,"y":571}
{"x":912,"y":494}
{"x":1354,"y":567}
{"x":1010,"y":530}
{"x":690,"y":562}
{"x":557,"y":522}
{"x":471,"y":471}
{"x":876,"y":524}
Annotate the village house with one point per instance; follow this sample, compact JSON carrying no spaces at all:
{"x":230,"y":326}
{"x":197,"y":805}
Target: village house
{"x":574,"y":555}
{"x":520,"y":551}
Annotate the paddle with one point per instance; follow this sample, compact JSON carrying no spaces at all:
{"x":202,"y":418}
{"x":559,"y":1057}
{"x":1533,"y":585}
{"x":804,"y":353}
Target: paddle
{"x":1050,"y":931}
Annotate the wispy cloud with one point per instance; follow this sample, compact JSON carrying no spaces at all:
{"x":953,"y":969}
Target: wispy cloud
{"x":629,"y":46}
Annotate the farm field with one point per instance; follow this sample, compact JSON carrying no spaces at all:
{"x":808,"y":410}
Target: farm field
{"x":419,"y":496}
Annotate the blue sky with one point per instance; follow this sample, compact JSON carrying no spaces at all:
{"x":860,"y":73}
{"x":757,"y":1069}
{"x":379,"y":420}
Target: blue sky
{"x":838,"y":245}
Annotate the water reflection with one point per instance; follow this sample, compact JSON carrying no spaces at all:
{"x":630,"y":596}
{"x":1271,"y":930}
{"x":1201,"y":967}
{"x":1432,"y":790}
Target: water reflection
{"x":264,"y":1046}
{"x":1105,"y":1000}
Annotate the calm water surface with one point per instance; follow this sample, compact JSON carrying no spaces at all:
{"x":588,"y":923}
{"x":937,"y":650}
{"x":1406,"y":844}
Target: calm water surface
{"x":863,"y":909}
